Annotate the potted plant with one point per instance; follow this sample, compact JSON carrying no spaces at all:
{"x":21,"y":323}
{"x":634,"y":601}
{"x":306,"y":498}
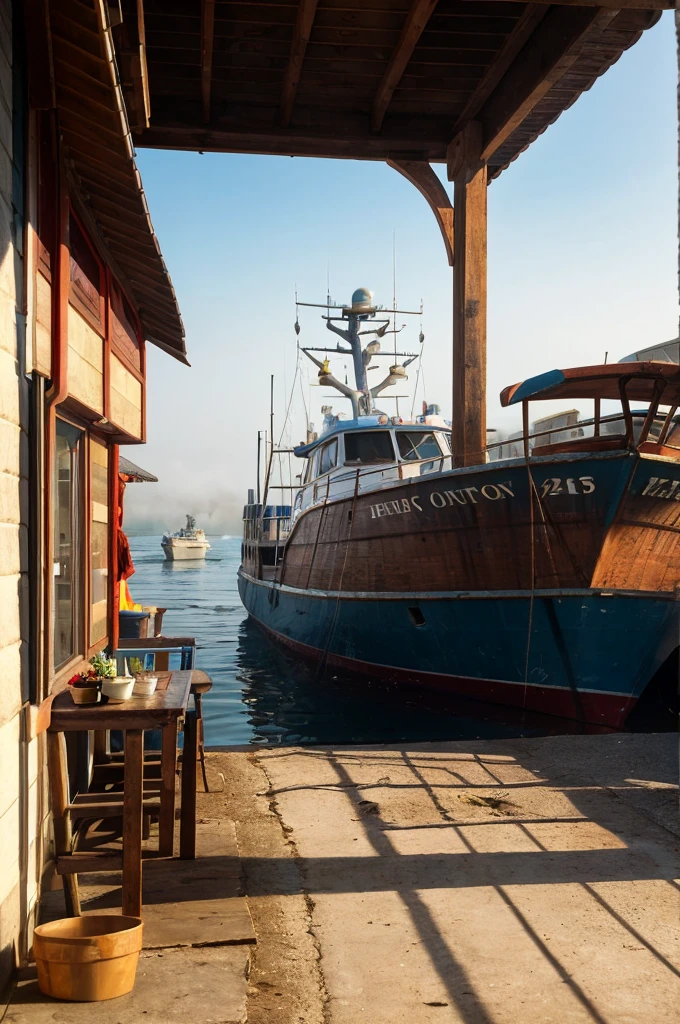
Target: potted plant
{"x":85,"y":687}
{"x":104,"y":668}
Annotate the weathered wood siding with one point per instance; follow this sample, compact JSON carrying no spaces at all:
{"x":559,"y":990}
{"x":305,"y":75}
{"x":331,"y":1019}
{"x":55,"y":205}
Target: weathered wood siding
{"x":125,"y":398}
{"x":474,"y":532}
{"x":23,"y":800}
{"x":85,"y":362}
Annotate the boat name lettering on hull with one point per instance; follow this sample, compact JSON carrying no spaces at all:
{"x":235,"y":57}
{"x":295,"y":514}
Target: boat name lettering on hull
{"x":662,"y":487}
{"x":442,"y":499}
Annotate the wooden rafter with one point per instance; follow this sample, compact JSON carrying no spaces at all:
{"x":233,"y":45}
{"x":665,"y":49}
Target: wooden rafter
{"x":612,"y":5}
{"x":417,"y":19}
{"x":301,"y":33}
{"x":420,"y":174}
{"x":133,"y":64}
{"x":529,"y":21}
{"x":39,"y":50}
{"x":551,"y":51}
{"x":207,"y":38}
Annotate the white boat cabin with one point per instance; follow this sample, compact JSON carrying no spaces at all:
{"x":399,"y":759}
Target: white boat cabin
{"x":375,"y":448}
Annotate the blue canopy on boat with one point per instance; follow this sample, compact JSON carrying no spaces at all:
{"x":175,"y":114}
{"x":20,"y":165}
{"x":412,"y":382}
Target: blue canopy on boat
{"x":642,"y":383}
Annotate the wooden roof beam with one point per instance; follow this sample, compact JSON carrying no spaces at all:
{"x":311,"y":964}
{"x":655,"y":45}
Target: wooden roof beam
{"x":207,"y":40}
{"x":549,"y":53}
{"x":303,"y":28}
{"x":420,"y":174}
{"x":134,"y":72}
{"x":612,"y":5}
{"x":416,"y":20}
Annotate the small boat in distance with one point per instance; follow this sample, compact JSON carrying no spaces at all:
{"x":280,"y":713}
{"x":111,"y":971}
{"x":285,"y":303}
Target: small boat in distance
{"x":187,"y":543}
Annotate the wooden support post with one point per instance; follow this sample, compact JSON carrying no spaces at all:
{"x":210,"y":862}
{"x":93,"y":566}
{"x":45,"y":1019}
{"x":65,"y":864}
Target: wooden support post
{"x":187,"y":830}
{"x":166,"y":825}
{"x":59,"y":799}
{"x":132,"y":823}
{"x":469,"y":176}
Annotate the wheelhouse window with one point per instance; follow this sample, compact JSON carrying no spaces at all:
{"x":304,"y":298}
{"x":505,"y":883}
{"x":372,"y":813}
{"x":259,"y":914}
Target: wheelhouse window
{"x":67,"y":522}
{"x":417,"y":445}
{"x":329,"y":456}
{"x":369,"y":446}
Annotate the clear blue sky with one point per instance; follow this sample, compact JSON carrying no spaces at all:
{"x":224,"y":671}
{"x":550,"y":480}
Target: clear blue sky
{"x":582,"y":260}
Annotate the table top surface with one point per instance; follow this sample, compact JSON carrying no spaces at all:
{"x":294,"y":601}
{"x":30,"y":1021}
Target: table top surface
{"x":162,"y":707}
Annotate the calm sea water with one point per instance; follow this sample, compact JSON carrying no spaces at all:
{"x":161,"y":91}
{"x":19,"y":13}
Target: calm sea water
{"x":263,"y":694}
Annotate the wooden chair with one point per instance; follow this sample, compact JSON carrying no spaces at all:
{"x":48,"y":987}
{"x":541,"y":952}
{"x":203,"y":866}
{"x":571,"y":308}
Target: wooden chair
{"x":158,"y":651}
{"x":200,"y":683}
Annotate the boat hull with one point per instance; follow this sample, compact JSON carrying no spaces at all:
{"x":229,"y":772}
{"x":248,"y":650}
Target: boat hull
{"x":582,"y":655}
{"x":549,"y":587}
{"x":184,"y":552}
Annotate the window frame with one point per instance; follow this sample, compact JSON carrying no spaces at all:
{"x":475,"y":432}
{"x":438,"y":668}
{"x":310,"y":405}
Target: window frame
{"x":79,"y":556}
{"x":355,"y":463}
{"x":416,"y":430}
{"x":333,"y":443}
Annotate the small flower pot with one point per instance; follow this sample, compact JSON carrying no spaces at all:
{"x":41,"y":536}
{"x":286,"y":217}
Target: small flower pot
{"x":85,"y":694}
{"x":118,"y":689}
{"x":145,"y":686}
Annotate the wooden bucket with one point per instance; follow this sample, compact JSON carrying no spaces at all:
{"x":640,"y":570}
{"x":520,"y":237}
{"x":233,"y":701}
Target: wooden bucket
{"x":85,"y":959}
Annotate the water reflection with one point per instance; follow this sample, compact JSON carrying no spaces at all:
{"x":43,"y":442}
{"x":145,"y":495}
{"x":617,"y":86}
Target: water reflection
{"x":263,"y":693}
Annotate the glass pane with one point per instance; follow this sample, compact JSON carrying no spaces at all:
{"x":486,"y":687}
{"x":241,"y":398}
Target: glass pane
{"x":368,"y":446}
{"x":66,"y":541}
{"x":99,"y":539}
{"x":329,"y":456}
{"x":418,"y":445}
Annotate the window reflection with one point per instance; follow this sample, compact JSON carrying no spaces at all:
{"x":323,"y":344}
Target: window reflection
{"x":66,"y":550}
{"x":417,"y":445}
{"x":367,"y":447}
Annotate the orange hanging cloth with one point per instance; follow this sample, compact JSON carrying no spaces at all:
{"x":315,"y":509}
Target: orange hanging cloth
{"x":125,"y":564}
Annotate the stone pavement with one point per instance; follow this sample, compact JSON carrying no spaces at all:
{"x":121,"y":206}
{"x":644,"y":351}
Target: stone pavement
{"x":486,"y":882}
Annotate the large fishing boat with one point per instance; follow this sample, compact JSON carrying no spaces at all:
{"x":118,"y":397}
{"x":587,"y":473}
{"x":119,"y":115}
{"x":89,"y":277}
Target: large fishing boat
{"x":546,"y":580}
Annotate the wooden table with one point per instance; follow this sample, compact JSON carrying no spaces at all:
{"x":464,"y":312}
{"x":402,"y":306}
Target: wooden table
{"x":162,"y":710}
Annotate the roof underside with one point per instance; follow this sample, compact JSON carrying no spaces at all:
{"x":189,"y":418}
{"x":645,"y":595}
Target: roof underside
{"x":371,"y":79}
{"x":133,"y":474}
{"x":96,"y":135}
{"x":642,"y":382}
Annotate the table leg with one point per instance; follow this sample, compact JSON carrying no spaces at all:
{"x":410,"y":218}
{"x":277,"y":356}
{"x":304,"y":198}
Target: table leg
{"x":132,"y":823}
{"x":59,"y":798}
{"x":187,"y":825}
{"x":166,"y":825}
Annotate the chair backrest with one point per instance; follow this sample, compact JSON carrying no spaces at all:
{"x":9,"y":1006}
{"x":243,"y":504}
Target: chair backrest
{"x":158,"y":653}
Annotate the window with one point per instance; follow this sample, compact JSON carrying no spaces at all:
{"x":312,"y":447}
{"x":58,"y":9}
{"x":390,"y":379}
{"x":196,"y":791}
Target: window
{"x":368,"y":446}
{"x":329,"y":457}
{"x":416,"y":445}
{"x":67,"y":514}
{"x":99,"y":540}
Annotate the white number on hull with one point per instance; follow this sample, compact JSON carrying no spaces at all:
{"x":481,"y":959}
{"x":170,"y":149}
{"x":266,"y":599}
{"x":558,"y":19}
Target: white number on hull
{"x":556,"y":485}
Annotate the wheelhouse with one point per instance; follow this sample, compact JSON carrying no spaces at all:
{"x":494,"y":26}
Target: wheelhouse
{"x":363,"y":456}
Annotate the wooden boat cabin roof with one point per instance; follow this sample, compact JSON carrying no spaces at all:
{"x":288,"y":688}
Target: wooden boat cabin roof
{"x":643,"y":382}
